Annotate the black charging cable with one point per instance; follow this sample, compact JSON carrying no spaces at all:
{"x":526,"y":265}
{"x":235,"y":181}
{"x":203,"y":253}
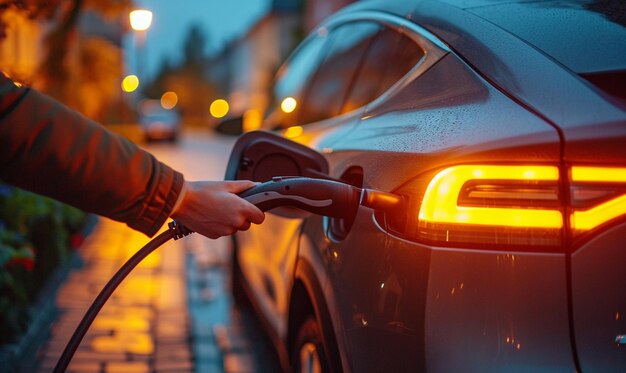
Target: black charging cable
{"x":175,"y":230}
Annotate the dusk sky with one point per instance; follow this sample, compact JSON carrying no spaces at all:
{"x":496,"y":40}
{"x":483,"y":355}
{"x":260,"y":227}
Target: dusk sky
{"x":221,"y":22}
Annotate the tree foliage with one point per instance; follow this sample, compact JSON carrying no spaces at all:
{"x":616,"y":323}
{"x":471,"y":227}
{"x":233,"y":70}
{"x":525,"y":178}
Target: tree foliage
{"x":189,"y":79}
{"x":193,"y":48}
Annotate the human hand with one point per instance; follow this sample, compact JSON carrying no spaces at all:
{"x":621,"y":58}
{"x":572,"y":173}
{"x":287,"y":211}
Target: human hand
{"x":213,"y":209}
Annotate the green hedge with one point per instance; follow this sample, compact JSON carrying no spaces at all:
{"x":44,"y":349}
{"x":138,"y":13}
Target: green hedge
{"x":37,"y":235}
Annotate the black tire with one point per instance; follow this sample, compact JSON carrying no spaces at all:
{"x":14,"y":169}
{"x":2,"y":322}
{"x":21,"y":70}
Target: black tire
{"x":309,"y":354}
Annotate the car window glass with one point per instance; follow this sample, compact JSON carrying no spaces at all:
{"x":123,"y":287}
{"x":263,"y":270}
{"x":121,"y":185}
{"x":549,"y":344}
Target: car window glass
{"x":292,"y":79}
{"x":348,"y":45}
{"x":389,"y":58}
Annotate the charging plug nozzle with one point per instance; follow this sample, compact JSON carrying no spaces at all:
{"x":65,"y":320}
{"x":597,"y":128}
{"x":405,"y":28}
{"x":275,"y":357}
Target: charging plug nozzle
{"x":381,"y":201}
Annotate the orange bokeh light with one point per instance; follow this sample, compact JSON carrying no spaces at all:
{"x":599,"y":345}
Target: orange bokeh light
{"x":169,"y":100}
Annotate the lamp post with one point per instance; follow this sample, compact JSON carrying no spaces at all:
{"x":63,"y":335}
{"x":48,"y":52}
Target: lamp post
{"x":140,"y":21}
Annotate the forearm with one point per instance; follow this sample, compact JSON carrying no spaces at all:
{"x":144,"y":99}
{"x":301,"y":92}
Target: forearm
{"x":49,"y":149}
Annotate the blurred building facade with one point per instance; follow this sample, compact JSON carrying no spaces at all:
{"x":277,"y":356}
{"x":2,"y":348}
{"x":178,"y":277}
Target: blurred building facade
{"x":245,"y":68}
{"x":252,"y":60}
{"x":100,"y":50}
{"x":93,"y":60}
{"x":22,"y":48}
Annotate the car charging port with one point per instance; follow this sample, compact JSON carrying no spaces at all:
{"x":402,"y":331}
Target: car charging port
{"x":338,"y":228}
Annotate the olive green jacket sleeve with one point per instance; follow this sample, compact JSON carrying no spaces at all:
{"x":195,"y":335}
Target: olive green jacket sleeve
{"x":51,"y":150}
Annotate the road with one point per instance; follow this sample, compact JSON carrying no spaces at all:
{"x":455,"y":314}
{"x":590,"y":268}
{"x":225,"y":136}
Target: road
{"x":217,"y":328}
{"x":199,"y":155}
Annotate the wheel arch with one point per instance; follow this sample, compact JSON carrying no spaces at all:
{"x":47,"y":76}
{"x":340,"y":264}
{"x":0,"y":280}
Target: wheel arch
{"x":307,"y":299}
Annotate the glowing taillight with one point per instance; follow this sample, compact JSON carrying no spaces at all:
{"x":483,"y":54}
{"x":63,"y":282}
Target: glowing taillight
{"x":492,"y":204}
{"x":490,"y":188}
{"x":598,"y":196}
{"x":504,"y":206}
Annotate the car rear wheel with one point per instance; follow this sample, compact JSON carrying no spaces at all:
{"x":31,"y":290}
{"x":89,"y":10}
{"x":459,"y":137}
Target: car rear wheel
{"x":309,"y":355}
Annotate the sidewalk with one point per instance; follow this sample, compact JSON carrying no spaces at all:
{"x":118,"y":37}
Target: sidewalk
{"x":173,"y":313}
{"x":144,"y":327}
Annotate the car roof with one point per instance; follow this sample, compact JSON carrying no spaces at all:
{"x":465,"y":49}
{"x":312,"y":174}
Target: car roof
{"x":585,"y":36}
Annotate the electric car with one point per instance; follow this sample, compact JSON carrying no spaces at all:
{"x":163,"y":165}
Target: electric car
{"x":502,"y":127}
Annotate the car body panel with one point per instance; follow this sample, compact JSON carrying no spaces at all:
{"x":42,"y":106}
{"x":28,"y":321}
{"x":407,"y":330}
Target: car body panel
{"x":470,"y":122}
{"x":598,"y":45}
{"x":497,"y":311}
{"x":600,"y":302}
{"x":518,"y":68}
{"x":363,"y":311}
{"x":599,"y":143}
{"x":269,"y":269}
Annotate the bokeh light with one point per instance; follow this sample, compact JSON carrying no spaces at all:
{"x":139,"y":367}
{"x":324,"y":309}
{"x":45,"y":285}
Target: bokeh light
{"x":252,"y":120}
{"x":219,"y":108}
{"x":130,"y":83}
{"x":140,"y":19}
{"x":169,"y":100}
{"x":294,"y":131}
{"x":288,"y":105}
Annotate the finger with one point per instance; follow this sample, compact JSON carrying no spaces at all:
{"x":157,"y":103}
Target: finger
{"x":245,"y":226}
{"x":255,"y":215}
{"x":238,"y":186}
{"x":227,"y":231}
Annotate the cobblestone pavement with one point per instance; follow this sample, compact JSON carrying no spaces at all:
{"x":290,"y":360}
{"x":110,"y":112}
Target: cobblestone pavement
{"x":144,"y":327}
{"x":173,"y":313}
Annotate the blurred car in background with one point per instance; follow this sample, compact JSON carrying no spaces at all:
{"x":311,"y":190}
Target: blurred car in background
{"x":503,"y":125}
{"x":161,"y":125}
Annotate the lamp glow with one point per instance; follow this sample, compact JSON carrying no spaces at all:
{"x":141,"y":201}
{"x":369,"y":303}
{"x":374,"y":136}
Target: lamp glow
{"x":252,"y":120}
{"x":169,"y":100}
{"x":140,"y":19}
{"x":288,"y":105}
{"x":219,"y":108}
{"x":294,"y":131}
{"x":130,"y":83}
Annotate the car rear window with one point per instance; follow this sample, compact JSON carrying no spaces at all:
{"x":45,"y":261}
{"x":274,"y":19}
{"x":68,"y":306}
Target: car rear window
{"x":332,"y":80}
{"x":390,"y":56}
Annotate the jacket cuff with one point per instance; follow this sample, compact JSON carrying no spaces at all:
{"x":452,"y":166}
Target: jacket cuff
{"x":159,"y":205}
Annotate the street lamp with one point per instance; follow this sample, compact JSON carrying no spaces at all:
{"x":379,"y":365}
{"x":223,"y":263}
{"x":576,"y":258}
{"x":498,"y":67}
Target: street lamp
{"x":140,"y":21}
